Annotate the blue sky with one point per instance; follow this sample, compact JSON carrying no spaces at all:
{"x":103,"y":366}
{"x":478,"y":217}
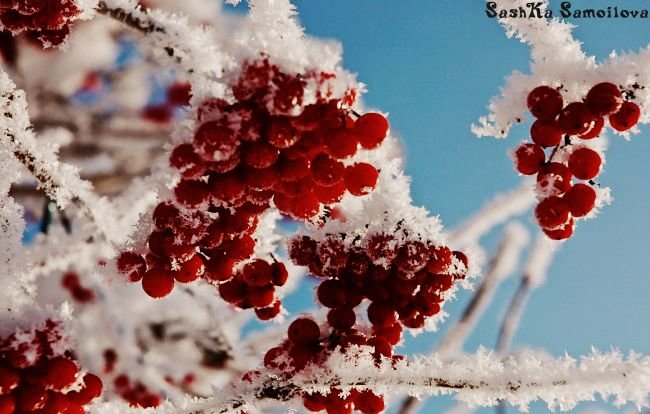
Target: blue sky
{"x":434,"y":65}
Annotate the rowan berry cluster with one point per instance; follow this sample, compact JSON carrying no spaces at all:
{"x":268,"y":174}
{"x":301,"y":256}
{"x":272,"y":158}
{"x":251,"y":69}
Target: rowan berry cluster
{"x":70,"y":282}
{"x":45,"y":20}
{"x":569,"y":128}
{"x":404,"y":280}
{"x":36,"y":378}
{"x":266,"y":148}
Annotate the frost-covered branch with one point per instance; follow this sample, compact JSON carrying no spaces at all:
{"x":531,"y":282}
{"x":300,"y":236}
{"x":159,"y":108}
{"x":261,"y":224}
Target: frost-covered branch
{"x":480,"y":379}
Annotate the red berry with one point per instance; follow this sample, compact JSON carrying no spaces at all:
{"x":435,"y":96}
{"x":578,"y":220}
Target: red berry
{"x":369,"y":403}
{"x":554,"y":179}
{"x":268,"y":313}
{"x":529,"y":158}
{"x":314,"y":402}
{"x":546,"y":133}
{"x":332,"y":253}
{"x":371,"y":129}
{"x":272,"y":358}
{"x":341,"y":318}
{"x":279,"y":274}
{"x":9,"y":379}
{"x":226,"y":188}
{"x":596,"y":129}
{"x":361,"y":178}
{"x":381,"y":248}
{"x":157,"y":283}
{"x":330,"y":195}
{"x":257,"y":273}
{"x":30,"y":398}
{"x":190,"y":270}
{"x":581,"y":199}
{"x":381,"y":345}
{"x":261,"y":297}
{"x":561,"y":233}
{"x":439,"y":259}
{"x":304,"y":331}
{"x":626,"y":117}
{"x":327,"y":171}
{"x":392,"y":333}
{"x":281,"y":133}
{"x":381,"y":314}
{"x":219,"y":268}
{"x":61,"y":372}
{"x":215,"y":142}
{"x":187,"y":161}
{"x":331,"y":293}
{"x":293,"y":169}
{"x":584,"y":163}
{"x":604,"y":99}
{"x":132,"y":264}
{"x":302,"y":250}
{"x":552,"y":212}
{"x":7,"y":404}
{"x":576,"y":118}
{"x":259,"y":155}
{"x":342,"y":143}
{"x":305,"y":206}
{"x":545,"y":102}
{"x":233,"y":291}
{"x":192,"y":193}
{"x":179,"y":93}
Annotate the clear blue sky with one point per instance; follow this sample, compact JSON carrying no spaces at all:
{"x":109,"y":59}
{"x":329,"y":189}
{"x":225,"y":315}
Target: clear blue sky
{"x":434,"y":65}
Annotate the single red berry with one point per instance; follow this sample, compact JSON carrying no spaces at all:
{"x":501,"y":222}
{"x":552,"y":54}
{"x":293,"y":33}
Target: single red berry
{"x":257,"y":273}
{"x":528,"y":158}
{"x":281,"y":133}
{"x":341,"y":318}
{"x":596,"y":129}
{"x":546,"y":133}
{"x":342,"y":143}
{"x":314,"y":402}
{"x":626,"y":117}
{"x":585,"y":163}
{"x":30,"y":398}
{"x":330,"y":195}
{"x":293,"y":169}
{"x":392,"y":333}
{"x":439,"y":259}
{"x":226,"y":188}
{"x":215,"y":142}
{"x":581,"y":199}
{"x":413,"y":256}
{"x":576,"y":119}
{"x":381,"y":314}
{"x":304,"y":331}
{"x":554,"y":179}
{"x":381,"y":345}
{"x":371,"y":129}
{"x":552,"y":212}
{"x":545,"y":102}
{"x":604,"y":99}
{"x":233,"y":291}
{"x":381,"y":248}
{"x":192,"y":193}
{"x":7,"y":404}
{"x":179,"y":93}
{"x":268,"y":313}
{"x":361,"y":178}
{"x":261,"y":297}
{"x":190,"y":270}
{"x":219,"y":268}
{"x":331,"y":293}
{"x":302,"y":250}
{"x":131,"y":264}
{"x":157,"y":283}
{"x":259,"y":155}
{"x":326,"y":170}
{"x":305,"y":206}
{"x":187,"y":161}
{"x":273,"y":357}
{"x":9,"y":379}
{"x":369,"y":403}
{"x":561,"y":233}
{"x":279,"y":274}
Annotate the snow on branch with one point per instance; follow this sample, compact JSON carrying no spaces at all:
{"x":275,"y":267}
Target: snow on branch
{"x":557,"y":60}
{"x":60,"y":181}
{"x":480,"y":379}
{"x":493,"y":213}
{"x":172,"y":39}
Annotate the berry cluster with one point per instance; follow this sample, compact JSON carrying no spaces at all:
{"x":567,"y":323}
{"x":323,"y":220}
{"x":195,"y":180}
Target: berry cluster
{"x":307,"y":345}
{"x":178,"y":94}
{"x":266,"y":148}
{"x":405,"y":281}
{"x":135,"y":393}
{"x":45,"y":20}
{"x":568,"y":128}
{"x":36,"y":378}
{"x":70,"y":282}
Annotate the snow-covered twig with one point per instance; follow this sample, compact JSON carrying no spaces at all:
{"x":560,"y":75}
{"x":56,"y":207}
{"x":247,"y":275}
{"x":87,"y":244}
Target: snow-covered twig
{"x":480,"y":379}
